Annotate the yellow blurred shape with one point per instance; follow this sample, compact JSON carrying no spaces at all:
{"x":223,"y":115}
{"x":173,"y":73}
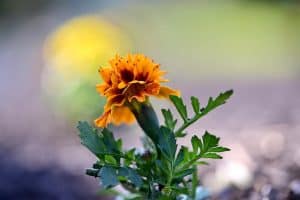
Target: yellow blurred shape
{"x":81,"y":45}
{"x":73,"y":54}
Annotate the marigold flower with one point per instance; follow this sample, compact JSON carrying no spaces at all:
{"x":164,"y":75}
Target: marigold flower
{"x":132,"y":78}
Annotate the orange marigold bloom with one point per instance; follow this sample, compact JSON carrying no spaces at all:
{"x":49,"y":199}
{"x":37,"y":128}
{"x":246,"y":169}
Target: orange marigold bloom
{"x":127,"y":79}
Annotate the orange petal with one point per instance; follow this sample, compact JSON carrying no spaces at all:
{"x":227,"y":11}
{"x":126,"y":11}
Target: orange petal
{"x":122,"y":85}
{"x":105,"y":73}
{"x":101,"y":88}
{"x":165,"y":92}
{"x":114,"y":79}
{"x":152,"y":88}
{"x":117,"y":100}
{"x":103,"y":120}
{"x":136,"y":91}
{"x":112,"y":91}
{"x":122,"y":114}
{"x":139,"y":97}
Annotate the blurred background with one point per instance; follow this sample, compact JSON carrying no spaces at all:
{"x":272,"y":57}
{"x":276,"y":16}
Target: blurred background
{"x":49,"y":55}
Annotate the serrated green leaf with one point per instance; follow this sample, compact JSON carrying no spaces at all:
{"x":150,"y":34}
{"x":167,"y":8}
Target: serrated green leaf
{"x":108,"y":177}
{"x":183,"y":173}
{"x":90,"y":138}
{"x":212,"y":104}
{"x":181,"y":108}
{"x":130,"y":153}
{"x":110,"y":159}
{"x":209,"y":141}
{"x":180,"y":190}
{"x":202,"y":163}
{"x":162,"y":166}
{"x":186,"y":153}
{"x":130,"y":156}
{"x":109,"y":141}
{"x":169,"y":120}
{"x":195,"y":104}
{"x":167,"y":143}
{"x":219,"y":149}
{"x":181,"y":134}
{"x":212,"y":155}
{"x":119,"y":144}
{"x":131,"y":175}
{"x":219,"y":100}
{"x":196,"y":143}
{"x":180,"y":156}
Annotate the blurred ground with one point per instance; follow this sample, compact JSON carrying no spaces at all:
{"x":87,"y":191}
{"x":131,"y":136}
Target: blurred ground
{"x":41,"y":157}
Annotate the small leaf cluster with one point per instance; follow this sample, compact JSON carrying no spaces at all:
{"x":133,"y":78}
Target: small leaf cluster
{"x":114,"y":164}
{"x":164,"y":171}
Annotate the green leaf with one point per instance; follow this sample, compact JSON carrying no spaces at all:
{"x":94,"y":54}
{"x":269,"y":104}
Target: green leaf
{"x":163,"y":166}
{"x":199,"y":112}
{"x":130,"y":153}
{"x":169,"y":120}
{"x":108,"y":177}
{"x":180,"y":190}
{"x":186,"y":153}
{"x":196,"y":143}
{"x":219,"y":100}
{"x":183,"y":173}
{"x":90,"y":138}
{"x":110,"y":160}
{"x":131,"y":175}
{"x":181,"y":108}
{"x":195,"y":104}
{"x":119,"y":144}
{"x":202,"y":163}
{"x":109,"y":141}
{"x":167,"y":143}
{"x":180,"y":156}
{"x":180,"y":134}
{"x":209,"y":141}
{"x":212,"y":155}
{"x":211,"y":147}
{"x":219,"y":149}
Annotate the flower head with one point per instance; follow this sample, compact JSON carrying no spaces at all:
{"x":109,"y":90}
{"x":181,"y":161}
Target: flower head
{"x":129,"y":79}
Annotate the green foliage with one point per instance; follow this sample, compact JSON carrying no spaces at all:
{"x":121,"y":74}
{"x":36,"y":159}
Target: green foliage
{"x":108,"y":176}
{"x":169,"y":120}
{"x":131,"y":175}
{"x":167,"y":143}
{"x":198,"y":111}
{"x":163,"y":170}
{"x":181,"y":108}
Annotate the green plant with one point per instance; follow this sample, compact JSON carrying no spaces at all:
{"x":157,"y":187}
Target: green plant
{"x":164,"y":170}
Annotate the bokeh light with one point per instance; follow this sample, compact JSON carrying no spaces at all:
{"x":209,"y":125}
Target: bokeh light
{"x":73,"y":54}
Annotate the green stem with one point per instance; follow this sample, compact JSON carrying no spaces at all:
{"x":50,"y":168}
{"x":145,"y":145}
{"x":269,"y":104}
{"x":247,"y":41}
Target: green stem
{"x":188,"y":123}
{"x":146,"y":118}
{"x":195,"y":181}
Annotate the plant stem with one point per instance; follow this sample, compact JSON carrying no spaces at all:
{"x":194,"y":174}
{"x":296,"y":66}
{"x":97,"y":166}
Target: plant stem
{"x":188,"y":123}
{"x":146,"y":118}
{"x":195,"y":181}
